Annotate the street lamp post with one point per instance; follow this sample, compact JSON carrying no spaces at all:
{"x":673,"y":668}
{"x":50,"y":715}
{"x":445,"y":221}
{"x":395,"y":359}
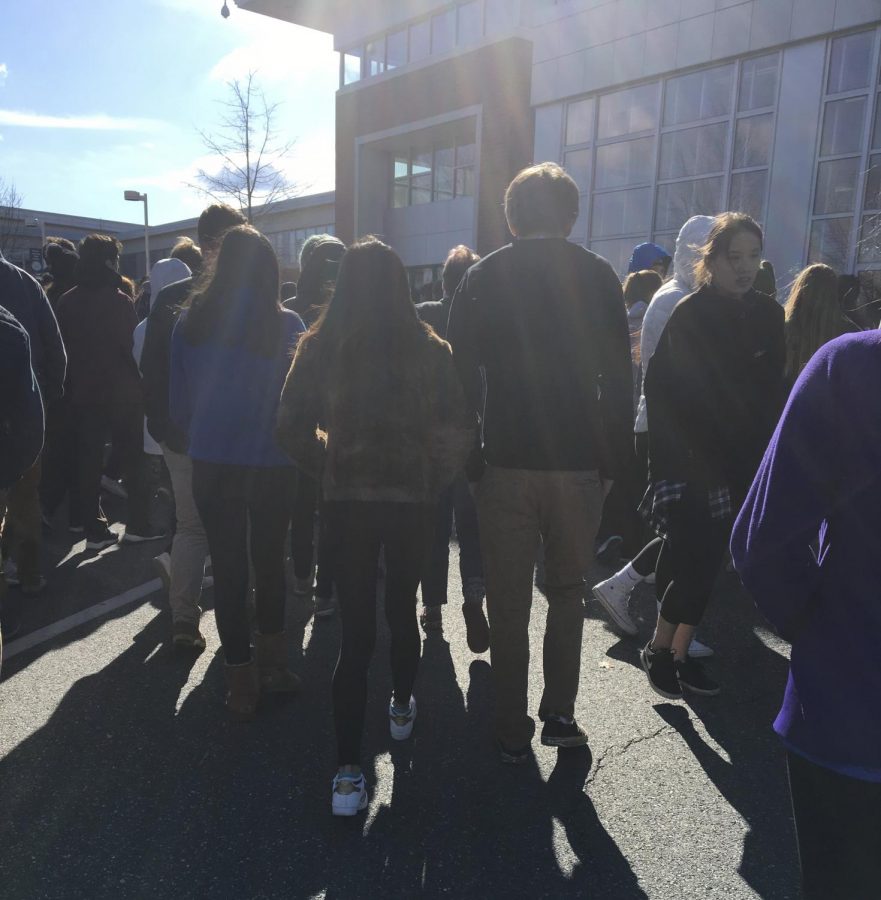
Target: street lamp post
{"x":135,"y":195}
{"x":37,"y":222}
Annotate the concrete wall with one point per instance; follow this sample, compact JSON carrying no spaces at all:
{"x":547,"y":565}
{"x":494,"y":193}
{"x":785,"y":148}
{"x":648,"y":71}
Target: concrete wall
{"x":588,"y":45}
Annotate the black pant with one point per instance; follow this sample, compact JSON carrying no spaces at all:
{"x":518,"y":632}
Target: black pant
{"x":59,"y":478}
{"x":307,"y":500}
{"x":362,"y":528}
{"x":229,"y":499}
{"x":124,"y":424}
{"x":690,"y":559}
{"x":838,"y":827}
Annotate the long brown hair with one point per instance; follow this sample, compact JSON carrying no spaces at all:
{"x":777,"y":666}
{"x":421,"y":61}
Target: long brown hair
{"x":813,"y":316}
{"x":725,"y":227}
{"x":370,"y":311}
{"x":237,"y":301}
{"x":641,"y":286}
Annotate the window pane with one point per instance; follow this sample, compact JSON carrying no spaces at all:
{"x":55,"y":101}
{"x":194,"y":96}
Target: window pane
{"x":579,"y":122}
{"x":401,"y":195}
{"x":465,"y":182}
{"x":836,"y":186}
{"x":396,"y":49}
{"x":402,"y":165}
{"x":752,"y":141}
{"x":629,"y":111}
{"x":684,"y":199}
{"x":748,"y":193}
{"x":351,"y":66}
{"x":850,"y":62}
{"x":876,"y":128}
{"x":577,"y":164}
{"x":420,"y":40}
{"x":625,"y":162}
{"x":870,"y":239}
{"x":420,"y":180}
{"x":374,"y":58}
{"x":843,"y":126}
{"x":618,"y":251}
{"x":444,"y":158}
{"x":873,"y":183}
{"x":701,"y":95}
{"x":621,"y":212}
{"x":830,"y":242}
{"x":466,"y":154}
{"x":758,"y":83}
{"x":443,"y":31}
{"x":694,"y":151}
{"x":469,"y":28}
{"x":500,"y":15}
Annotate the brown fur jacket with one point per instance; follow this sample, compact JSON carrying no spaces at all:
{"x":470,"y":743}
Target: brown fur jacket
{"x":393,"y":427}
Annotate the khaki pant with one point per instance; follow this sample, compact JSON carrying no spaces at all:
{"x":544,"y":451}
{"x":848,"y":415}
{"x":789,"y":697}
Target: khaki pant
{"x":190,"y":545}
{"x":517,"y":509}
{"x":22,"y":526}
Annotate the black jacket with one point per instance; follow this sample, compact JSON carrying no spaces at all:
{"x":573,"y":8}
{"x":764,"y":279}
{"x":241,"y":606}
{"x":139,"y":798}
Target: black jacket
{"x":156,"y":362}
{"x":545,"y":319}
{"x":714,"y":389}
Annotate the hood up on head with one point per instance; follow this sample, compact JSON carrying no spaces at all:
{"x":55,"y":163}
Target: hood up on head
{"x":692,"y":236}
{"x":164,"y":273}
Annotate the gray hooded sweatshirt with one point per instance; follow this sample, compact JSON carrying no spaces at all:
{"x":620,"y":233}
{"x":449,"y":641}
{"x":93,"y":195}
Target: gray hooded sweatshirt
{"x":692,"y":235}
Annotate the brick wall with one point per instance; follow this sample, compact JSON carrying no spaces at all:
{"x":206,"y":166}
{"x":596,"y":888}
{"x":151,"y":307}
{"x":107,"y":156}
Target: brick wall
{"x":496,"y":77}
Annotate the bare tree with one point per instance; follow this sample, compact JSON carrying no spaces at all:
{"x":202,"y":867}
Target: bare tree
{"x":11,"y":220}
{"x":249,"y":151}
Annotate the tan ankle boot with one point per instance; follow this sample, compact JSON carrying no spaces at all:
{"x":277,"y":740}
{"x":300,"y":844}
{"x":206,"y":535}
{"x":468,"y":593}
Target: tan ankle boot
{"x":242,"y":691}
{"x":272,"y":658}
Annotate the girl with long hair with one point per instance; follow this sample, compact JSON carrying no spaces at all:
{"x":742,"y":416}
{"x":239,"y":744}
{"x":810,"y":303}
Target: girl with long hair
{"x":813,"y":317}
{"x":713,"y":389}
{"x":230,"y":351}
{"x":373,"y":407}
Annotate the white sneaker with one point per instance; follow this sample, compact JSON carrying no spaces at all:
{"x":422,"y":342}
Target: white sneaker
{"x":697,"y":650}
{"x":349,"y":795}
{"x":613,"y":595}
{"x":401,"y":724}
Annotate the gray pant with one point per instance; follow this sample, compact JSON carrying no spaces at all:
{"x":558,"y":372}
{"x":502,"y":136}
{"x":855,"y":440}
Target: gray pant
{"x":190,"y":546}
{"x":517,"y":509}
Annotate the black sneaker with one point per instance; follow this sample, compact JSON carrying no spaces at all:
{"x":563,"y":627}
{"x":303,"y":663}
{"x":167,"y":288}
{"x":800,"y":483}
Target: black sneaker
{"x":513,"y":757}
{"x":560,"y":732}
{"x":660,"y":666}
{"x":693,"y":677}
{"x":100,"y":539}
{"x":476,"y":627}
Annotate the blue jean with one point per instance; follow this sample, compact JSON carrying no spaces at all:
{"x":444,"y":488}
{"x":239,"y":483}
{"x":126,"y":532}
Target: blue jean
{"x":456,"y":501}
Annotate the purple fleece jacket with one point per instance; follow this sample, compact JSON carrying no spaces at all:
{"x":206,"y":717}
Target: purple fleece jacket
{"x":820,"y":483}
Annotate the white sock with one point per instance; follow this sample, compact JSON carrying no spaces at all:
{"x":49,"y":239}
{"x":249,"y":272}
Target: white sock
{"x":630,"y":574}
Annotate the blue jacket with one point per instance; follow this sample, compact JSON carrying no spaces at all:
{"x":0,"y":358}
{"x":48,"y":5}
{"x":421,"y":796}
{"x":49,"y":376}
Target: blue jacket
{"x":819,"y":485}
{"x":21,"y":294}
{"x":225,"y":398}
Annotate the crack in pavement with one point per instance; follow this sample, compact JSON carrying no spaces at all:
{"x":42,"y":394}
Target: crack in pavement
{"x":624,"y":749}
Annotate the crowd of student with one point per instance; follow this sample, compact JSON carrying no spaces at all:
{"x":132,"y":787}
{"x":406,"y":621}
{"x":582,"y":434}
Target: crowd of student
{"x":546,"y":410}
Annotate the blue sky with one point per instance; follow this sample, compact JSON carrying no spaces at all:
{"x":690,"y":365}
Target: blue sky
{"x":99,"y":96}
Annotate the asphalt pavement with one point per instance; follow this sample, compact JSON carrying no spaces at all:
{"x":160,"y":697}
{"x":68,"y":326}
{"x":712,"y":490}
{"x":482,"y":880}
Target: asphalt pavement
{"x":121,"y":776}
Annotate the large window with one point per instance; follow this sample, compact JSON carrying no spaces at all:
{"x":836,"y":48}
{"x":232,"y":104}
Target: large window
{"x":846,"y":205}
{"x":647,"y":158}
{"x":456,"y":25}
{"x":288,"y":244}
{"x":432,"y":173}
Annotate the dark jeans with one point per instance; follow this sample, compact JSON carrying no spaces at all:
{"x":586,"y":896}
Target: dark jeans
{"x":362,"y":528}
{"x":838,"y":827}
{"x":124,"y":425}
{"x":456,"y":501}
{"x":60,"y":462}
{"x":229,"y":499}
{"x":690,"y":559}
{"x":620,"y":516}
{"x":307,"y":500}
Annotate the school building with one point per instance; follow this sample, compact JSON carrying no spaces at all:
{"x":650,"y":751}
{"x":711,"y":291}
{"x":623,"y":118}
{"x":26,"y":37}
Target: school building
{"x":660,"y":109}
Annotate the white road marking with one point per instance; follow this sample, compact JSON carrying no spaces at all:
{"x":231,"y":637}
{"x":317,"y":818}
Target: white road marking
{"x":41,"y":635}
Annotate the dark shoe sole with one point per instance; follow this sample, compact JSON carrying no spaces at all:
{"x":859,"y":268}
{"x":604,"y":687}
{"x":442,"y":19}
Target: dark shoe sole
{"x":703,"y":692}
{"x":654,"y":687}
{"x":101,"y":545}
{"x":141,"y":538}
{"x":579,"y":740}
{"x":513,"y":757}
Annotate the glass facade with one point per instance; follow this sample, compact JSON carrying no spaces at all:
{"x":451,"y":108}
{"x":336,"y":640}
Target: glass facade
{"x":648,"y":157}
{"x":288,"y":244}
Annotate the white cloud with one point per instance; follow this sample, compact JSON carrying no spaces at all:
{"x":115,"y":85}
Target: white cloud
{"x":95,"y":122}
{"x":4,"y":73}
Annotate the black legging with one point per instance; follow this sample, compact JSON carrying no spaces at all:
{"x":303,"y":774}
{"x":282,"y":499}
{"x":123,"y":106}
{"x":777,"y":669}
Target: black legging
{"x":228,"y":499}
{"x":361,"y":529}
{"x":690,"y":559}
